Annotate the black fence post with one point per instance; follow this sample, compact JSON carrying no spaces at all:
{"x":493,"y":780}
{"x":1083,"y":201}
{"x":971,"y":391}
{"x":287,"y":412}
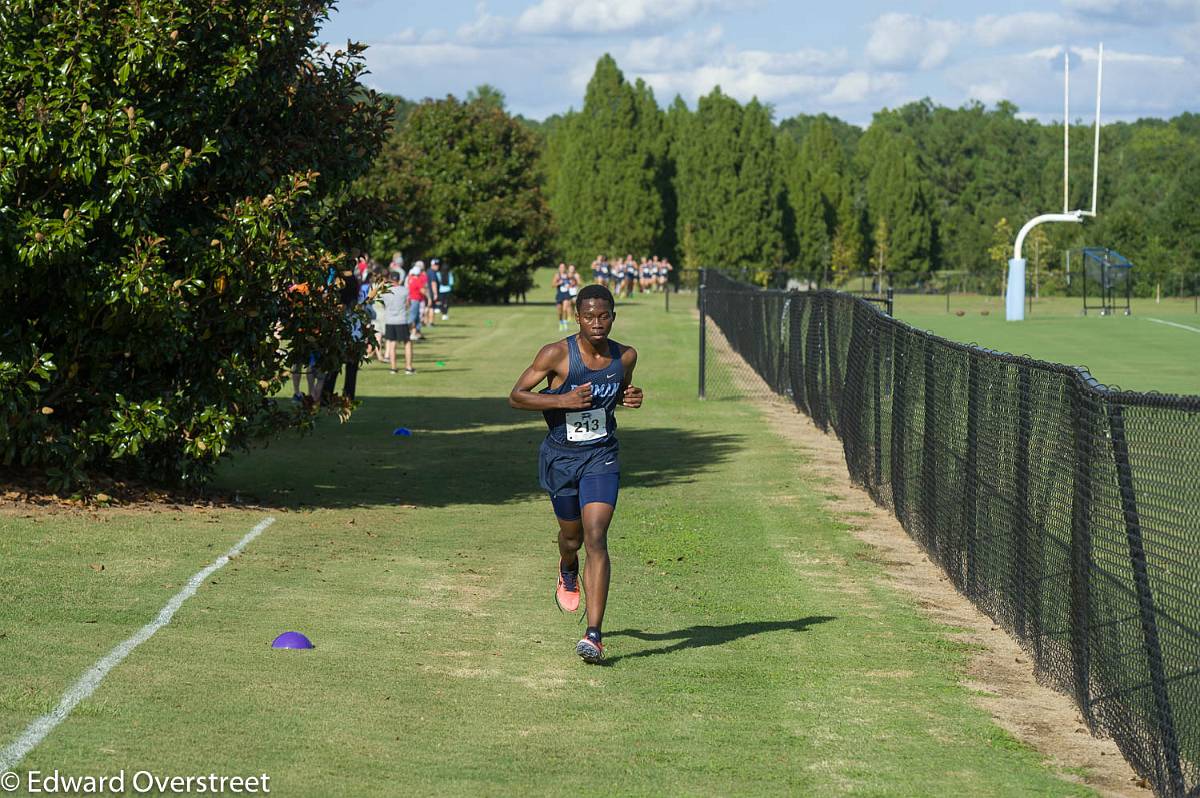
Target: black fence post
{"x":890,"y":301}
{"x":836,"y":379}
{"x":929,"y":446}
{"x":899,"y":430}
{"x":703,"y":329}
{"x":796,"y":353}
{"x":823,"y":360}
{"x":812,"y":353}
{"x":1083,"y":419}
{"x":876,"y":352}
{"x":971,"y":481}
{"x":1141,"y":578}
{"x":1022,"y":574}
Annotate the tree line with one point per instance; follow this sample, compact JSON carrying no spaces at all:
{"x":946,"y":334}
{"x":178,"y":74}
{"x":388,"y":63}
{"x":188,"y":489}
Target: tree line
{"x":927,"y":195}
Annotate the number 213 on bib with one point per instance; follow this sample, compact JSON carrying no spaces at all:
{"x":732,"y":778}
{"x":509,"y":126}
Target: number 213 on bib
{"x":586,"y":425}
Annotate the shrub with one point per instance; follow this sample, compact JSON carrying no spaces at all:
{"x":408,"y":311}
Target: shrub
{"x":168,"y":170}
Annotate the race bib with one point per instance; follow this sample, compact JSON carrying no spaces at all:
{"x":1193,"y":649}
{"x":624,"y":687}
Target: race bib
{"x":586,"y":425}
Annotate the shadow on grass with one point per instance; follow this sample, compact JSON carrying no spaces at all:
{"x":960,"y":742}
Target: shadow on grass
{"x":704,"y":636}
{"x":461,"y":451}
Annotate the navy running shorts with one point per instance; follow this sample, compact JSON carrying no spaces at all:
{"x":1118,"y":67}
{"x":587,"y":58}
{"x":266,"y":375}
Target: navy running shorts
{"x":601,"y":488}
{"x":578,"y":475}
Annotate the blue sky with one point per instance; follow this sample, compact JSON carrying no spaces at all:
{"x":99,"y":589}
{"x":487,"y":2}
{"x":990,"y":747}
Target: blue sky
{"x":848,"y":59}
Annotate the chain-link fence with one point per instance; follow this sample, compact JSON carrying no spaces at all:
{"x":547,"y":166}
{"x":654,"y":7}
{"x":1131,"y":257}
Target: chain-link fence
{"x":1068,"y":512}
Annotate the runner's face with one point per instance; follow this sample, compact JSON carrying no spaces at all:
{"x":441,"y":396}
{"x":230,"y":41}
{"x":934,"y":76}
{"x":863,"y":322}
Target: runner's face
{"x":595,"y":319}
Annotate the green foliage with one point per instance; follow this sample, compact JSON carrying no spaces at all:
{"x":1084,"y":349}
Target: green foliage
{"x":810,"y":243}
{"x":829,"y":168}
{"x":729,"y":185}
{"x":797,"y":128}
{"x":463,"y":180}
{"x":896,"y":194}
{"x":487,"y":95}
{"x":1000,"y":251}
{"x":848,"y":245}
{"x":608,"y":191}
{"x":167,"y":171}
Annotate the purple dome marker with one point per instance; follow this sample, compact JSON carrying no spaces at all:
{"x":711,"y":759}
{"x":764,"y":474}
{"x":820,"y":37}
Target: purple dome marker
{"x":292,"y":640}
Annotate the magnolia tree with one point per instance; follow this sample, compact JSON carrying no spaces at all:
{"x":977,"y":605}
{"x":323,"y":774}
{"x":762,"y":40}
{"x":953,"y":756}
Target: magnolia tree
{"x":174,"y":215}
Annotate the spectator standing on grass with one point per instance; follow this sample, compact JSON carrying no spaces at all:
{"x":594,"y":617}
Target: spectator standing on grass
{"x":417,"y":284}
{"x":350,"y":297}
{"x":298,"y":293}
{"x":434,"y":290}
{"x":379,"y":284}
{"x":396,"y":315}
{"x":445,"y":289}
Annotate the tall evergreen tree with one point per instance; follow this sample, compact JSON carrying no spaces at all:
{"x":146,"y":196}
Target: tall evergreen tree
{"x":606,"y":198}
{"x":829,"y":168}
{"x":895,"y":192}
{"x":809,"y":235}
{"x":849,"y":245}
{"x":729,"y":186}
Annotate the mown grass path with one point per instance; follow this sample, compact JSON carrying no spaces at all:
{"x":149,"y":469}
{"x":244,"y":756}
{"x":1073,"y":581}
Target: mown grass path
{"x":754,"y":647}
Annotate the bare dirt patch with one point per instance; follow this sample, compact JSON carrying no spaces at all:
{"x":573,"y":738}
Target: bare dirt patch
{"x":31,"y":492}
{"x":999,"y":672}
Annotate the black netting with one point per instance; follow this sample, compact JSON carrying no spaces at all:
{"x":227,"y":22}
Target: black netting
{"x":1068,"y":512}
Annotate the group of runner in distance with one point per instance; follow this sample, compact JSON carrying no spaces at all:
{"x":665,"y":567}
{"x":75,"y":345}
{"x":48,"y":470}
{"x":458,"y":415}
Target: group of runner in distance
{"x":620,"y":277}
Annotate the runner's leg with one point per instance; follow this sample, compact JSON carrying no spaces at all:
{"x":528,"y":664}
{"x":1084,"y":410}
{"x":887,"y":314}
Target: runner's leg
{"x":596,"y":572}
{"x":570,"y":541}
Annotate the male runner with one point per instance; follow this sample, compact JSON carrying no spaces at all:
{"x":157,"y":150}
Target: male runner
{"x":587,"y":377}
{"x":562,"y":296}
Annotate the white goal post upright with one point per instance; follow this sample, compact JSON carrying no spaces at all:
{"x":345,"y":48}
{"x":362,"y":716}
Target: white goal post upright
{"x":1014,"y":300}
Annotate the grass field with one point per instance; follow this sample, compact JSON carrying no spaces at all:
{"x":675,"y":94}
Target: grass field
{"x":1136,"y":352}
{"x":755,"y":647}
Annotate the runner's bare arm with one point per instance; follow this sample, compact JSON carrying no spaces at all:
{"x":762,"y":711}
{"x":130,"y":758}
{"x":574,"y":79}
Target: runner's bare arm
{"x":631,"y":395}
{"x":548,"y":363}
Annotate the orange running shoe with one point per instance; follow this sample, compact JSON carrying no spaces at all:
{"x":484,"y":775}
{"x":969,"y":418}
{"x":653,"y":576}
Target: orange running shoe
{"x":566,"y":594}
{"x":590,"y":649}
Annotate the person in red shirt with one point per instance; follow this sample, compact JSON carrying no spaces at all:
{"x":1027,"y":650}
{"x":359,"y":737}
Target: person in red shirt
{"x":417,"y":284}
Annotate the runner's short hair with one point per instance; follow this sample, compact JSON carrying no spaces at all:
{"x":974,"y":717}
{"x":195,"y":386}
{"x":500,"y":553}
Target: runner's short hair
{"x":594,"y":291}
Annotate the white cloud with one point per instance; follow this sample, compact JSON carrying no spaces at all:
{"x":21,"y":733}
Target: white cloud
{"x":611,"y":16}
{"x":386,"y":56}
{"x":543,"y":58}
{"x":692,"y":63}
{"x":1151,"y":12}
{"x":859,"y":86}
{"x":904,"y":41}
{"x":485,"y":28}
{"x":659,"y":53}
{"x":739,"y":83}
{"x":1027,"y":27}
{"x":1135,"y":84}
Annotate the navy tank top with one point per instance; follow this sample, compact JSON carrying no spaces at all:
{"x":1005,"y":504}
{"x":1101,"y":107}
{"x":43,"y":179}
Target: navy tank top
{"x":598,"y":424}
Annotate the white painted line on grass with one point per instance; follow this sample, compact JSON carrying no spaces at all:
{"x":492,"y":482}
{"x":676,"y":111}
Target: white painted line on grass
{"x":1173,"y":324}
{"x":11,"y":755}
